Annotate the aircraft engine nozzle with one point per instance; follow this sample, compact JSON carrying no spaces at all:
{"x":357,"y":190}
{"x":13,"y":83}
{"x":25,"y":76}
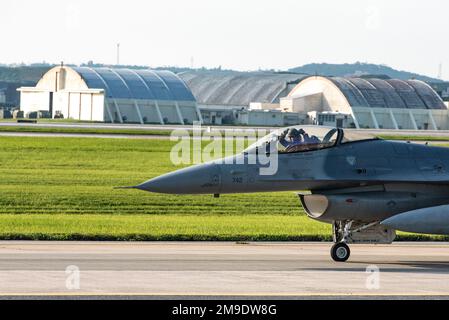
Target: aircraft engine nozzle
{"x":431,"y":220}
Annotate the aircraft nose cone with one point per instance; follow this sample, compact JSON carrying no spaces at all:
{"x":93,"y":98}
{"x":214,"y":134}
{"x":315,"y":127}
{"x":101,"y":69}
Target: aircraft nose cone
{"x":201,"y":179}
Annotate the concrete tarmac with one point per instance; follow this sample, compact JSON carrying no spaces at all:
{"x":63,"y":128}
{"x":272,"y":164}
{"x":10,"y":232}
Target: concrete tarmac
{"x":133,"y":136}
{"x":83,"y":135}
{"x":115,"y":126}
{"x":204,"y":270}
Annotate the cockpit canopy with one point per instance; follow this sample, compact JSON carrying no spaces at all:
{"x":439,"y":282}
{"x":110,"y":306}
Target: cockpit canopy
{"x":306,"y":138}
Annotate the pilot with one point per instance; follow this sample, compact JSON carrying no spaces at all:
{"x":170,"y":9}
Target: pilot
{"x":294,"y":138}
{"x":310,"y":139}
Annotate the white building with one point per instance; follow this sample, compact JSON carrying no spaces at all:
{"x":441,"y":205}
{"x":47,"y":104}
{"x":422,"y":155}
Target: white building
{"x":112,"y":95}
{"x":330,"y":119}
{"x":371,"y":103}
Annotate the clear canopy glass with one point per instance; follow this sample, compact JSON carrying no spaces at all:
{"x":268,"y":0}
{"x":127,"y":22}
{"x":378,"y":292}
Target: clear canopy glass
{"x":305,"y":138}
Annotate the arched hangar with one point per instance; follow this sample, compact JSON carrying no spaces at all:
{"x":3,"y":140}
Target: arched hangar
{"x":225,"y":96}
{"x":371,"y":103}
{"x":112,"y":95}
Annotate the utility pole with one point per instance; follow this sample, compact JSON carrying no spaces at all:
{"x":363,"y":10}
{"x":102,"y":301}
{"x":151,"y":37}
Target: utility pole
{"x":118,"y":54}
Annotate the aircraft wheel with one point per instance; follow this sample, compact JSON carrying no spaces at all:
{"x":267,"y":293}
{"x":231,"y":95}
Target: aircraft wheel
{"x":340,"y":252}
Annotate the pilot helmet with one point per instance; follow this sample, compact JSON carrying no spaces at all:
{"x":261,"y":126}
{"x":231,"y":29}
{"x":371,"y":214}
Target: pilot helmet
{"x":293,"y":133}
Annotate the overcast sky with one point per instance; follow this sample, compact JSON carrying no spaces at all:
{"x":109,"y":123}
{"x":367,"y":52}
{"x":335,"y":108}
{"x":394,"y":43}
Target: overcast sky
{"x":411,"y":35}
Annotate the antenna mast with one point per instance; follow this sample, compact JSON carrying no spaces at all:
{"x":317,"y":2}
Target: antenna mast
{"x":118,"y":54}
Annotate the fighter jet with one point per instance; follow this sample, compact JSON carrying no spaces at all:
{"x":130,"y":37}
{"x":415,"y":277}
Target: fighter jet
{"x":365,"y":187}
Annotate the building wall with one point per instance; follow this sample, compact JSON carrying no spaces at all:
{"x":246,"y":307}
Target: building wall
{"x":364,"y":119}
{"x":98,"y":108}
{"x":149,"y":112}
{"x":423,"y":121}
{"x":331,"y":119}
{"x":2,"y":97}
{"x":215,"y":116}
{"x":384,"y":120}
{"x":304,"y":104}
{"x":31,"y":101}
{"x":264,"y":106}
{"x":406,"y":119}
{"x":128,"y":110}
{"x":270,"y":118}
{"x":73,"y":105}
{"x":169,"y":113}
{"x":62,"y":78}
{"x":292,"y":118}
{"x":441,"y":119}
{"x":189,"y":114}
{"x":317,"y":94}
{"x":80,"y":106}
{"x":266,"y":118}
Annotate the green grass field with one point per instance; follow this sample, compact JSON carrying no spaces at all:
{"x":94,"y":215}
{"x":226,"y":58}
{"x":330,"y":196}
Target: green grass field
{"x":414,"y":138}
{"x":62,"y":189}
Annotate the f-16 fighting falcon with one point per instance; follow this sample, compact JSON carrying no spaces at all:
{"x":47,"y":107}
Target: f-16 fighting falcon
{"x":366,"y":187}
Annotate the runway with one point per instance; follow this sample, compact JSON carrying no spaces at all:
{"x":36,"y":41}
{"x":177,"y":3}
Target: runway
{"x":83,"y":135}
{"x":203,"y":270}
{"x":136,"y":136}
{"x":224,"y":128}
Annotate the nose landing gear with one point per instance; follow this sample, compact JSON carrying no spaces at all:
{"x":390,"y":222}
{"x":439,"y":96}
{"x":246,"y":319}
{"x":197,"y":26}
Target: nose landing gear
{"x":345,"y":232}
{"x":340,"y":252}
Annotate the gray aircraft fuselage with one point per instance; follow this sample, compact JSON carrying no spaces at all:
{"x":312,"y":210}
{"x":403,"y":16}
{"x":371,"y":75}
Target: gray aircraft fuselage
{"x":374,"y":167}
{"x":376,"y":185}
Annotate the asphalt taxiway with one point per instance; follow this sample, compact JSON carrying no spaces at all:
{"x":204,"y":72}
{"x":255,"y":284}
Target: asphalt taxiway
{"x":115,"y":126}
{"x":197,"y":269}
{"x":135,"y":136}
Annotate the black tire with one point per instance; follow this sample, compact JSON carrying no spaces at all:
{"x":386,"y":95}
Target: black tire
{"x":340,"y":252}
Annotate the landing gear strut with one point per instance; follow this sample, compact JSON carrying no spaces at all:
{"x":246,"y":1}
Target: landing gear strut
{"x":340,"y":251}
{"x":345,"y":232}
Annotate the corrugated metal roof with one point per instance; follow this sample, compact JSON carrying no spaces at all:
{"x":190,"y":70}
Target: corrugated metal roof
{"x":429,"y":96}
{"x":238,"y":88}
{"x":136,"y":84}
{"x":393,"y":93}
